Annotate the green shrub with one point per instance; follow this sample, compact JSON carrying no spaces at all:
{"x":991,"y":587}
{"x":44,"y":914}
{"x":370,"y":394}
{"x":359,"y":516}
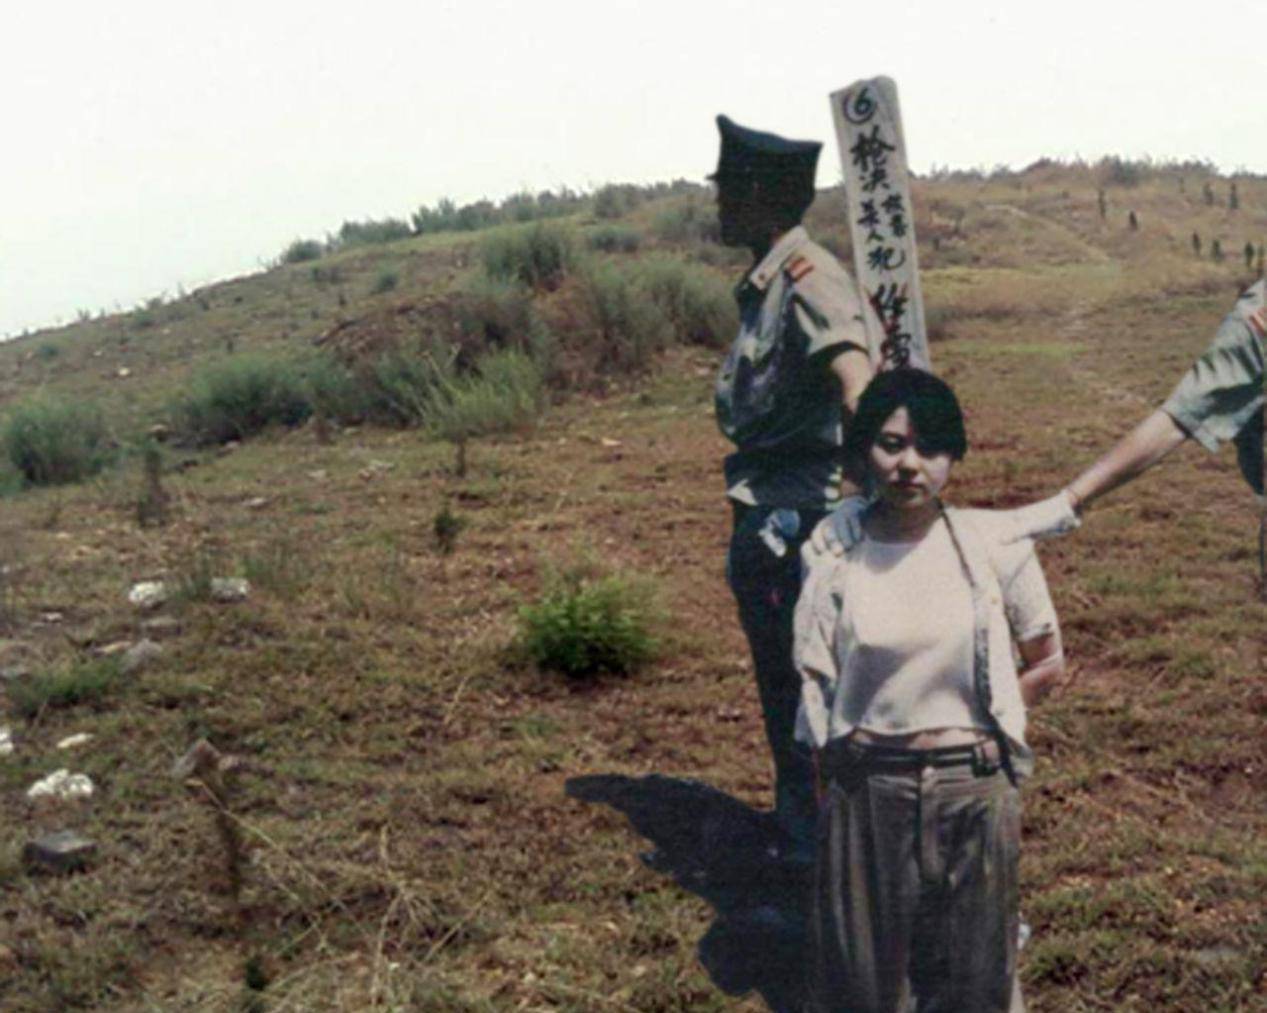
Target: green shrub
{"x":403,"y":384}
{"x":496,"y":312}
{"x":505,"y":392}
{"x":301,"y":250}
{"x":585,"y":624}
{"x":538,"y":255}
{"x":615,"y":239}
{"x":49,"y":440}
{"x":240,"y":396}
{"x":371,"y":231}
{"x":691,"y":219}
{"x":335,"y":391}
{"x":627,"y":328}
{"x":385,"y":282}
{"x":699,"y":304}
{"x":80,"y":682}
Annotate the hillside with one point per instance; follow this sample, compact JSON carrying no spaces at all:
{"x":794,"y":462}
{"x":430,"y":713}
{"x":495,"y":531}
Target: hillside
{"x":419,"y":819}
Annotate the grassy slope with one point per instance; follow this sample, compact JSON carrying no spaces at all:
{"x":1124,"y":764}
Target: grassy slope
{"x":410,"y":841}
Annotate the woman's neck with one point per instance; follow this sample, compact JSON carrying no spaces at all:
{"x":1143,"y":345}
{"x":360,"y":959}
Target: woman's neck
{"x":889,"y":524}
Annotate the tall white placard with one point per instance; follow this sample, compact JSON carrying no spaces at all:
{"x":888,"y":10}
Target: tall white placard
{"x":881,"y":218}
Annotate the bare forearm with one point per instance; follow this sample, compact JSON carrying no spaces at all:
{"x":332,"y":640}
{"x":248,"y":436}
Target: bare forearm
{"x":1042,"y":666}
{"x":1134,"y":454}
{"x":1040,"y":679}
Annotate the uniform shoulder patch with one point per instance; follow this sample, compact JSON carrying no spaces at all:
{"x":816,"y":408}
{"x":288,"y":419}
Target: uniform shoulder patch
{"x":798,"y":267}
{"x":1253,"y":308}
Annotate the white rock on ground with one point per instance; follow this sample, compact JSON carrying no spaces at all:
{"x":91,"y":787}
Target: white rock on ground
{"x":71,"y":741}
{"x":6,"y":741}
{"x":138,"y":656}
{"x":148,"y":594}
{"x":229,"y":589}
{"x":61,"y":784}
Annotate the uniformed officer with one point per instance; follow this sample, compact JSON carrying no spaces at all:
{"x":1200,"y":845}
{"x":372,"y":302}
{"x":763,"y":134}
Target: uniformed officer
{"x":785,"y":391}
{"x":1219,"y":399}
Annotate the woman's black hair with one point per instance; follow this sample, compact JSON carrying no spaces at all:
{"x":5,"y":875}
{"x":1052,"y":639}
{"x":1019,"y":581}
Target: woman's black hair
{"x":933,"y":408}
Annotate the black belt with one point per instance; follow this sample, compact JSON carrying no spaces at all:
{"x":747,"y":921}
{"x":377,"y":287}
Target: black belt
{"x":982,"y":757}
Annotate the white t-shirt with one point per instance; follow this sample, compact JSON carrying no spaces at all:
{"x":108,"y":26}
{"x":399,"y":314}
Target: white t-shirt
{"x":912,"y":618}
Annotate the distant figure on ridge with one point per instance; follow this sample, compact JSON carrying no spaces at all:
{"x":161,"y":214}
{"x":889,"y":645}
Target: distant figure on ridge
{"x":784,"y":394}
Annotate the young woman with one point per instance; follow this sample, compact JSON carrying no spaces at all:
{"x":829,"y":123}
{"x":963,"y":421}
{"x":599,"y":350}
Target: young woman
{"x":915,"y":708}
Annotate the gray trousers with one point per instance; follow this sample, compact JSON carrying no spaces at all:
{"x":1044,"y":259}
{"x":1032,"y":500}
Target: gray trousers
{"x":766,"y":584}
{"x":915,"y":906}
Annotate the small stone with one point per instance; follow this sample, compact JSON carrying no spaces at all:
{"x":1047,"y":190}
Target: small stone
{"x":51,"y":617}
{"x":229,"y":589}
{"x":148,"y":594}
{"x":161,"y":627}
{"x":71,"y":741}
{"x":607,"y":442}
{"x":61,"y":784}
{"x":319,"y":475}
{"x":159,"y":432}
{"x":114,"y":647}
{"x":64,"y":851}
{"x":139,"y":655}
{"x":12,"y":673}
{"x":6,"y":741}
{"x":257,"y":502}
{"x":123,"y":372}
{"x":198,"y":759}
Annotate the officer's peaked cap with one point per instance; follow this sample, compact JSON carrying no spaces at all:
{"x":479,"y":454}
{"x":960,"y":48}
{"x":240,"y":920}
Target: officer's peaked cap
{"x":753,"y":153}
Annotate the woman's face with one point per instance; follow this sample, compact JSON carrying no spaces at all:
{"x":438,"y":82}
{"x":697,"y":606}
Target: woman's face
{"x":906,"y":477}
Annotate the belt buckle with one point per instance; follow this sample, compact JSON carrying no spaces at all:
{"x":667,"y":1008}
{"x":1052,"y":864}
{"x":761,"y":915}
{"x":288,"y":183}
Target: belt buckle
{"x":985,"y":758}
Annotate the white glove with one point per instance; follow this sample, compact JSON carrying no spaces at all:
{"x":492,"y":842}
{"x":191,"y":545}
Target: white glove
{"x":841,"y":527}
{"x":1047,"y":518}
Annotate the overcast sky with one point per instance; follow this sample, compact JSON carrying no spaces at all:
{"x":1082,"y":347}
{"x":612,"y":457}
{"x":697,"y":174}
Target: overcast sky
{"x":149,"y":145}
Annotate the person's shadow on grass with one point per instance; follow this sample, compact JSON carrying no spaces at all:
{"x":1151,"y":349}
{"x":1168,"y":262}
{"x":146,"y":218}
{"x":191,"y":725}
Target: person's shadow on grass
{"x":723,"y":851}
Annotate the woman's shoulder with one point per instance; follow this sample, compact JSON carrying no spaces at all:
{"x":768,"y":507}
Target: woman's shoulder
{"x":1002,"y":534}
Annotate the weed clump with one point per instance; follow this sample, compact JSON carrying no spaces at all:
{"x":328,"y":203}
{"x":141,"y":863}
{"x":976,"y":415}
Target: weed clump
{"x":301,"y":250}
{"x":538,"y":256}
{"x":51,"y":441}
{"x":688,"y":220}
{"x":626,"y":327}
{"x":615,"y":239}
{"x":81,"y":682}
{"x":697,"y":303}
{"x":446,"y":526}
{"x":506,"y":391}
{"x":585,"y":624}
{"x":238,"y":397}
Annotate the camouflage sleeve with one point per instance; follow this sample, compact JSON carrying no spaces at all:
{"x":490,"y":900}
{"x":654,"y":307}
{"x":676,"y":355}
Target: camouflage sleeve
{"x":1224,"y":388}
{"x":829,"y":312}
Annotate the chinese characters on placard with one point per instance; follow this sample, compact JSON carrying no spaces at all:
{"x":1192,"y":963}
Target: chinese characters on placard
{"x":882,"y":222}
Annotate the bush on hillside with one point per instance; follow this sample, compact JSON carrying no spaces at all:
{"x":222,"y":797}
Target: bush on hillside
{"x":586,"y":624}
{"x":691,"y":219}
{"x":625,"y":327}
{"x":240,"y":396}
{"x":699,"y":305}
{"x":538,"y":256}
{"x":495,"y":313}
{"x":371,"y":232}
{"x":51,"y":440}
{"x":615,"y":239}
{"x":504,"y":392}
{"x":301,"y":250}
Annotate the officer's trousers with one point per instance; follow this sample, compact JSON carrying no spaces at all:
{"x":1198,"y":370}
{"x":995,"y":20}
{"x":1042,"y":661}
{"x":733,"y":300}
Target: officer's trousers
{"x":915,"y":906}
{"x":766,"y":583}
